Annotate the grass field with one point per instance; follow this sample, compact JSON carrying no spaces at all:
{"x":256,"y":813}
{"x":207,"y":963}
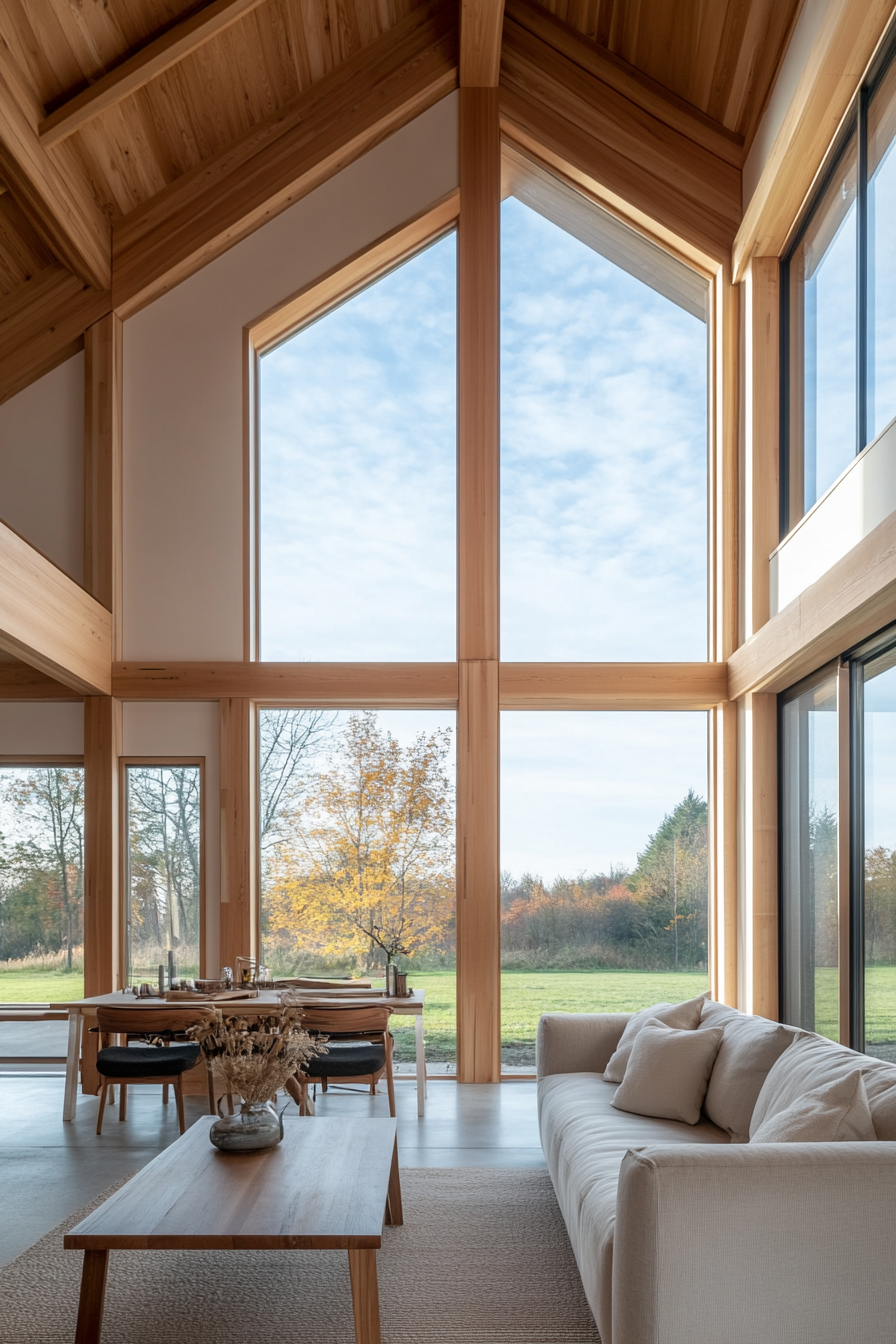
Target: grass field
{"x":35,"y":986}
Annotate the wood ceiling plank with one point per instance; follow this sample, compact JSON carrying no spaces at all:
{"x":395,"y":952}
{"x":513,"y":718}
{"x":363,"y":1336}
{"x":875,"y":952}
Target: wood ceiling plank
{"x":57,"y":202}
{"x":43,"y":324}
{"x":623,"y":152}
{"x":847,"y":39}
{"x":619,"y":75}
{"x":51,"y":623}
{"x":142,"y":67}
{"x":276,"y":163}
{"x":481,"y":26}
{"x":22,"y":252}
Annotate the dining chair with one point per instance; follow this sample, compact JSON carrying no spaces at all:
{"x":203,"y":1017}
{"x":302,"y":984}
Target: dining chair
{"x":161,"y":1058}
{"x":358,"y":1049}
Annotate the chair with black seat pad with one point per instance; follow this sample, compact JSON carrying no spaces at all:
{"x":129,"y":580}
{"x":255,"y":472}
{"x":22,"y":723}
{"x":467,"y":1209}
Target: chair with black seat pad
{"x":160,"y":1057}
{"x":358,"y":1049}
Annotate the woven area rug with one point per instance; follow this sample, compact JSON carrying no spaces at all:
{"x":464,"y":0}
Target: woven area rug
{"x":483,"y":1258}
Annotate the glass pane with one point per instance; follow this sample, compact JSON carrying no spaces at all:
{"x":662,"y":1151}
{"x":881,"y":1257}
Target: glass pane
{"x":882,"y":257}
{"x":604,"y":885}
{"x":357,"y":833}
{"x":809,"y":860}
{"x":823,"y":343}
{"x":164,"y":898}
{"x":357,"y":469}
{"x":41,"y":883}
{"x":879,"y":905}
{"x":603,"y":453}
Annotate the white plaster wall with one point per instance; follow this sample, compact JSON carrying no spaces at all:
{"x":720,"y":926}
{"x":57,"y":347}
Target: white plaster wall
{"x":41,"y":728}
{"x":183,"y":391}
{"x":803,"y":36}
{"x":860,"y":499}
{"x":186,"y":728}
{"x":42,"y":465}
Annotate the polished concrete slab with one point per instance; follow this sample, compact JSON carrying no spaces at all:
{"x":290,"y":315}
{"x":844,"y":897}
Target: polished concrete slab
{"x":49,"y":1168}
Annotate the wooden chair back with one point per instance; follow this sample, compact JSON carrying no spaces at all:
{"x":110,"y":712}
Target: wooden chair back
{"x":308,"y":982}
{"x":147,"y":1021}
{"x":336,"y":1020}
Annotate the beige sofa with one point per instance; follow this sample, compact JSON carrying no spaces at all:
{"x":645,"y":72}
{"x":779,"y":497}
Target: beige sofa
{"x":683,"y":1236}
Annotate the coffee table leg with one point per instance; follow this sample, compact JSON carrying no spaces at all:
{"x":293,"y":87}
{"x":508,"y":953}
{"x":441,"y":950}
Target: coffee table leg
{"x":90,"y":1306}
{"x":394,"y":1214}
{"x":365,"y":1296}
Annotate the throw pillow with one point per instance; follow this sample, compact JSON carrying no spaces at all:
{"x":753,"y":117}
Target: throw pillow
{"x":750,"y":1046}
{"x":812,"y":1061}
{"x":668,"y":1071}
{"x":684,"y":1016}
{"x":838,"y":1111}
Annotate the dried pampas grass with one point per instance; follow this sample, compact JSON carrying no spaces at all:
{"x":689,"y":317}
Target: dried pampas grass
{"x":258,"y":1055}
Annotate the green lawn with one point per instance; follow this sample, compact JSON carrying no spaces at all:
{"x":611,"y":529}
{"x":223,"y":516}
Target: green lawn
{"x":33,"y":986}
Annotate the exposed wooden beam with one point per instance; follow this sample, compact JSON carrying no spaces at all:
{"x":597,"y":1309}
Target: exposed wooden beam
{"x":612,"y":685}
{"x":481,"y":24}
{"x":758,"y":772}
{"x":102,"y":467}
{"x":618,"y":145}
{"x":43,"y":323}
{"x":102,"y":749}
{"x":238,"y":910}
{"x":761,"y":421}
{"x":18,"y":681}
{"x":849,"y":34}
{"x":143,"y":66}
{"x":55,"y":199}
{"x":51,"y":623}
{"x":854,"y":599}
{"x":360,"y":103}
{"x":352,"y":685}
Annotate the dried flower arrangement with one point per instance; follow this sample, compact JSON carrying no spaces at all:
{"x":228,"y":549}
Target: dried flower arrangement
{"x":257,"y":1055}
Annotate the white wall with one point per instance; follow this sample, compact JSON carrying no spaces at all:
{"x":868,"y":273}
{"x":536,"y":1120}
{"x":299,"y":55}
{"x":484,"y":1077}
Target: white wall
{"x":178,"y":728}
{"x":861,"y":498}
{"x":41,"y":728}
{"x":42,"y":465}
{"x":183,"y":391}
{"x":804,"y":33}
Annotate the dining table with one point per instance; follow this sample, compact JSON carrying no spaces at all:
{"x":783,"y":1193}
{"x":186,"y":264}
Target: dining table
{"x":82,"y":1013}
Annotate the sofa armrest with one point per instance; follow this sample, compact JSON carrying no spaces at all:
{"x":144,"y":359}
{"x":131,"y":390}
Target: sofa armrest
{"x":782,"y":1241}
{"x":577,"y":1042}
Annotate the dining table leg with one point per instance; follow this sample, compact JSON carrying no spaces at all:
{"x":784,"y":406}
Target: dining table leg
{"x":365,"y":1295}
{"x":72,"y":1062}
{"x":420,"y":1055}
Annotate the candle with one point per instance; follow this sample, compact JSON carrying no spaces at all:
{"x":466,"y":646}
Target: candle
{"x":161,"y":978}
{"x":171,"y":974}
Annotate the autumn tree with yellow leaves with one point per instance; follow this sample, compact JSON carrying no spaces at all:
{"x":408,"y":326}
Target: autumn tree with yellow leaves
{"x":364,"y":871}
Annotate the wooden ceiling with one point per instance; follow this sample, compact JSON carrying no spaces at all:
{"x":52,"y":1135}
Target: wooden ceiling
{"x":225,"y":100}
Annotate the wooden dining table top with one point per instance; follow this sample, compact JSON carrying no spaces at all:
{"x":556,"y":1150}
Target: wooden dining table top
{"x":266,"y":998}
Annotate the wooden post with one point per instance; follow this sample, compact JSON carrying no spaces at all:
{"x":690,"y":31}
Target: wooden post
{"x":761,"y":402}
{"x":758,"y":846}
{"x":723,"y":852}
{"x":478,"y":862}
{"x":238,"y":908}
{"x":102,"y":749}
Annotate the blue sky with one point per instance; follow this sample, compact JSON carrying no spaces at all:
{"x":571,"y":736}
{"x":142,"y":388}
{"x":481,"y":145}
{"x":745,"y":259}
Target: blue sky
{"x":603,"y":534}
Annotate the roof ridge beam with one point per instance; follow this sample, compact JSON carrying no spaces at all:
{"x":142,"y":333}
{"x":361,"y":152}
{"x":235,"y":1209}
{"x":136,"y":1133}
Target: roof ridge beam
{"x":481,"y":27}
{"x":142,"y":67}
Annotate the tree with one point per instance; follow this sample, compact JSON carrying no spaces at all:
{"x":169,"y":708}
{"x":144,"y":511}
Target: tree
{"x":366,"y":865}
{"x":671,"y":881}
{"x":163,"y":859}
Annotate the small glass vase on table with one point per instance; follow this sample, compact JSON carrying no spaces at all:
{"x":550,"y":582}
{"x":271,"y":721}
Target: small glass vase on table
{"x":257,"y":1056}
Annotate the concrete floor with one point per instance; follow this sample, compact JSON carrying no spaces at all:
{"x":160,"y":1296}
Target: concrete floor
{"x":48,"y":1169}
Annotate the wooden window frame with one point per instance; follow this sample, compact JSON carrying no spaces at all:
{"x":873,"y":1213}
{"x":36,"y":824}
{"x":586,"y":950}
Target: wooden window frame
{"x":171,"y":762}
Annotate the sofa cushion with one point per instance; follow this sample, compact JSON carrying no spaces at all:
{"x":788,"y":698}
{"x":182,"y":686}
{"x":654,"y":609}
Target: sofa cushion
{"x":837,"y":1112}
{"x":584,"y":1140}
{"x":683,"y":1016}
{"x":750,"y":1046}
{"x":811,"y":1062}
{"x":668,"y":1072}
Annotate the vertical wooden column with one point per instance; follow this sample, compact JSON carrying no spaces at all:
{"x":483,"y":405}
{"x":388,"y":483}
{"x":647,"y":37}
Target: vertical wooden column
{"x":102,"y":714}
{"x":761,"y":426}
{"x":724,"y":425}
{"x":238,"y":910}
{"x":478,"y":860}
{"x":758,"y":849}
{"x":844,"y":857}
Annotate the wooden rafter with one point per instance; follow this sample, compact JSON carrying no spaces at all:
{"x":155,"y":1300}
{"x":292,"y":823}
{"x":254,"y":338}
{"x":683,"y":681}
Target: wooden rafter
{"x":674,"y":174}
{"x":58,"y":202}
{"x":51,"y":623}
{"x":481,"y":24}
{"x":18,"y":681}
{"x":143,"y":66}
{"x":276,"y":163}
{"x":43,"y":323}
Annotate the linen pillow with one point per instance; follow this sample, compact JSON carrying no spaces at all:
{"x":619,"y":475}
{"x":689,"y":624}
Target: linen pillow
{"x":750,"y":1046}
{"x":838,"y":1111}
{"x":667,"y":1072}
{"x":811,"y":1062}
{"x":683,"y":1016}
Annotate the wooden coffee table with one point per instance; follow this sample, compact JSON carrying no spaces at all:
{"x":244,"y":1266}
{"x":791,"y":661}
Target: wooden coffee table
{"x":330,"y":1184}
